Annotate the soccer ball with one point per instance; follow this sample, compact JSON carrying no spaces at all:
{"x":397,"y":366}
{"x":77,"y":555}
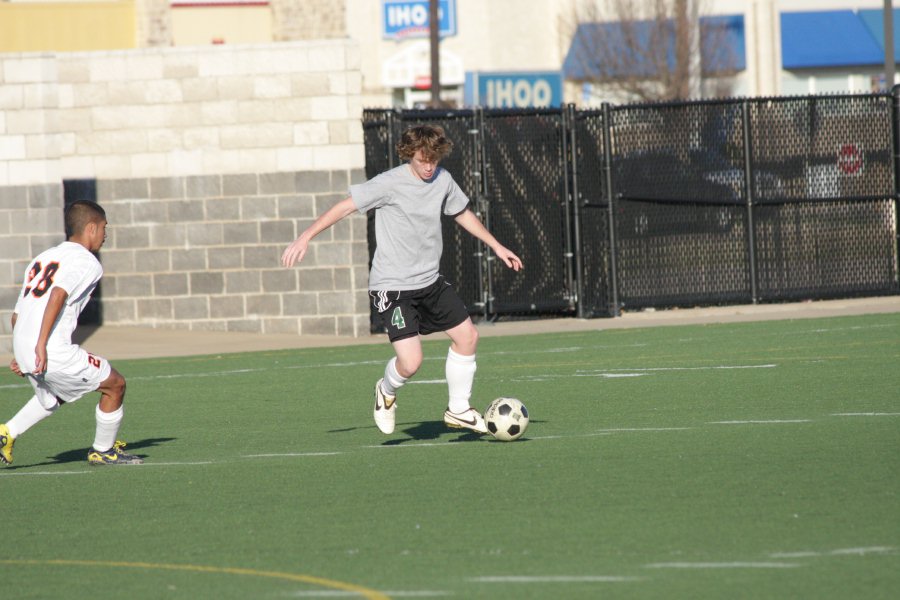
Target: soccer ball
{"x":506,"y":418}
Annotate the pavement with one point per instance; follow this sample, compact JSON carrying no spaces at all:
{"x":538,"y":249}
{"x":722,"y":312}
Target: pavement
{"x":118,"y":343}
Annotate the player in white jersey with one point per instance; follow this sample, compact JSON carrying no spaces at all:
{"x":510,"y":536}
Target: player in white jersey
{"x":404,"y":282}
{"x":57,"y":285}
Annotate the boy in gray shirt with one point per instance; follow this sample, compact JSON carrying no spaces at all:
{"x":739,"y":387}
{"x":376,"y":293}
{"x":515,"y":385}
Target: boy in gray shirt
{"x":405,"y":285}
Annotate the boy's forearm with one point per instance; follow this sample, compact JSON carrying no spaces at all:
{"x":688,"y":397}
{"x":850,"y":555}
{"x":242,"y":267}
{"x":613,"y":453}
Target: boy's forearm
{"x":468,"y":221}
{"x":329,"y":218}
{"x":55,"y":306}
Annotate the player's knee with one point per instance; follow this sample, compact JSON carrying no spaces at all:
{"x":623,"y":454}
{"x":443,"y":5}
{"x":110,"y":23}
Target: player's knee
{"x":473,"y":338}
{"x":114,"y":385}
{"x":408,"y":366}
{"x":467,"y":341}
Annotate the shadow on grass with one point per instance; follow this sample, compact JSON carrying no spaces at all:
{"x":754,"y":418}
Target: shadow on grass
{"x":80,"y":454}
{"x":432,"y":430}
{"x":425,"y":430}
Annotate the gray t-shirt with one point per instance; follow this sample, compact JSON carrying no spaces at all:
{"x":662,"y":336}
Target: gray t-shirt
{"x":407,"y":225}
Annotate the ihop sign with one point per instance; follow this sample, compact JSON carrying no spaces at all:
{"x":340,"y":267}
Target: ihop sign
{"x":410,"y":19}
{"x":539,"y":89}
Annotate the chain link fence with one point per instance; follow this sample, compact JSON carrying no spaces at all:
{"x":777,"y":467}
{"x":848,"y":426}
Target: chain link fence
{"x":669,"y":204}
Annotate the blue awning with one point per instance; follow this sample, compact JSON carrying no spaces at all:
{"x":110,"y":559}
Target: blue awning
{"x":722,"y":48}
{"x":834,"y":38}
{"x":874,"y":21}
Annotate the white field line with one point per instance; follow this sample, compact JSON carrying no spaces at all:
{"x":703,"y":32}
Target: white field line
{"x":162,"y":376}
{"x":861,"y":551}
{"x":635,"y":372}
{"x":709,"y":368}
{"x":631,"y":429}
{"x":179,"y":464}
{"x":47,"y":473}
{"x":201,"y":463}
{"x":855,"y":328}
{"x":553,"y":579}
{"x":598,"y":373}
{"x":613,"y":375}
{"x":577,"y":435}
{"x":562,"y":349}
{"x":259,"y":370}
{"x":272,"y":455}
{"x":14,"y":386}
{"x":838,"y":552}
{"x":867,"y":414}
{"x":609,"y":373}
{"x":291,"y":454}
{"x":329,"y":365}
{"x":722,"y":565}
{"x":760,"y":422}
{"x":452,"y":443}
{"x":485,"y":352}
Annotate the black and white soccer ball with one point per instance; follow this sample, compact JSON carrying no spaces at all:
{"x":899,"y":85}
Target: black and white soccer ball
{"x":506,"y":418}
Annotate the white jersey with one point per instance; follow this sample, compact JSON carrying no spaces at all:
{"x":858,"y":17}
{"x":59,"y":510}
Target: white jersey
{"x":68,"y":266}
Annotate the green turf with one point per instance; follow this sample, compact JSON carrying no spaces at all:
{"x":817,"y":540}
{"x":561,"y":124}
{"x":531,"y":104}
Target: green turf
{"x":755,"y":460}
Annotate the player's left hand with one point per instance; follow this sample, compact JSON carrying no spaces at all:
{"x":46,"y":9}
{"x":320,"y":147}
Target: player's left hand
{"x":512,"y":261}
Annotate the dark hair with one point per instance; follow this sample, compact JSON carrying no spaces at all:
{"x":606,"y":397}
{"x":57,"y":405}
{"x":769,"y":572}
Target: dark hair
{"x":430,"y":139}
{"x":80,"y":213}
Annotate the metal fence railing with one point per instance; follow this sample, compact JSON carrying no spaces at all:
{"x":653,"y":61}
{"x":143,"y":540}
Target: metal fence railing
{"x":670,"y":204}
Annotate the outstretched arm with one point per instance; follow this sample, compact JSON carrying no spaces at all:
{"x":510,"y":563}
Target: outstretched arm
{"x":468,"y":221}
{"x":297,"y":250}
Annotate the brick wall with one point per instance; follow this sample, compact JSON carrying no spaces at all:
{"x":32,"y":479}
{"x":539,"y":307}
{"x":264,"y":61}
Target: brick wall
{"x":203,"y":252}
{"x":209,"y":161}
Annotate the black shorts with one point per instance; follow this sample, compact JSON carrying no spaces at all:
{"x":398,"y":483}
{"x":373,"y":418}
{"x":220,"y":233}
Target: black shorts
{"x":412,"y":312}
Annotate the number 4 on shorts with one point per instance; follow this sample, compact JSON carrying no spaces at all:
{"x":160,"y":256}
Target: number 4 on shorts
{"x":397,"y":319}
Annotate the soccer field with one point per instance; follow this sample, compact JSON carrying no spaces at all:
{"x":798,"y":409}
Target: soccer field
{"x":753,"y":460}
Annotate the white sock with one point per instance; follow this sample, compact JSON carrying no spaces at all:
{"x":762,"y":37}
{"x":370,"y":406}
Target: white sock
{"x":460,"y":375}
{"x":392,"y":379}
{"x":107,"y":428}
{"x":28,"y":416}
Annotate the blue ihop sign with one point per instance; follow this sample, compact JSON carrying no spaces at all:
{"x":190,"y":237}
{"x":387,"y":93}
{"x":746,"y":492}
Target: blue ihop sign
{"x":535,"y":89}
{"x":409,"y":18}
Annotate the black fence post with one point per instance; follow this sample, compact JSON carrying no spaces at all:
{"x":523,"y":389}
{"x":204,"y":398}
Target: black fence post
{"x":568,"y":149}
{"x":389,"y":117}
{"x":476,"y":135}
{"x":748,"y":194}
{"x":573,"y":199}
{"x":482,"y":210}
{"x":610,"y":201}
{"x":895,"y":136}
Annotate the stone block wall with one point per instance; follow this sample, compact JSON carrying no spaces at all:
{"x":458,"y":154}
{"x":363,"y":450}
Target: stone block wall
{"x":203,"y":253}
{"x":208,"y":161}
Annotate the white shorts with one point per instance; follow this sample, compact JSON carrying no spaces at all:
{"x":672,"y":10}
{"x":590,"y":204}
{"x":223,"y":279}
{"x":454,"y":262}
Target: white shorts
{"x":80,"y":373}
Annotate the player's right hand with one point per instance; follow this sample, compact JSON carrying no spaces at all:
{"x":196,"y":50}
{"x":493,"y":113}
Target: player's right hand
{"x":40,"y":360}
{"x":295,"y":252}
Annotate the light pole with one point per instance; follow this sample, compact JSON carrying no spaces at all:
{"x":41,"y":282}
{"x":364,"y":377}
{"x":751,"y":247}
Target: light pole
{"x":433,"y":29}
{"x":889,"y":66}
